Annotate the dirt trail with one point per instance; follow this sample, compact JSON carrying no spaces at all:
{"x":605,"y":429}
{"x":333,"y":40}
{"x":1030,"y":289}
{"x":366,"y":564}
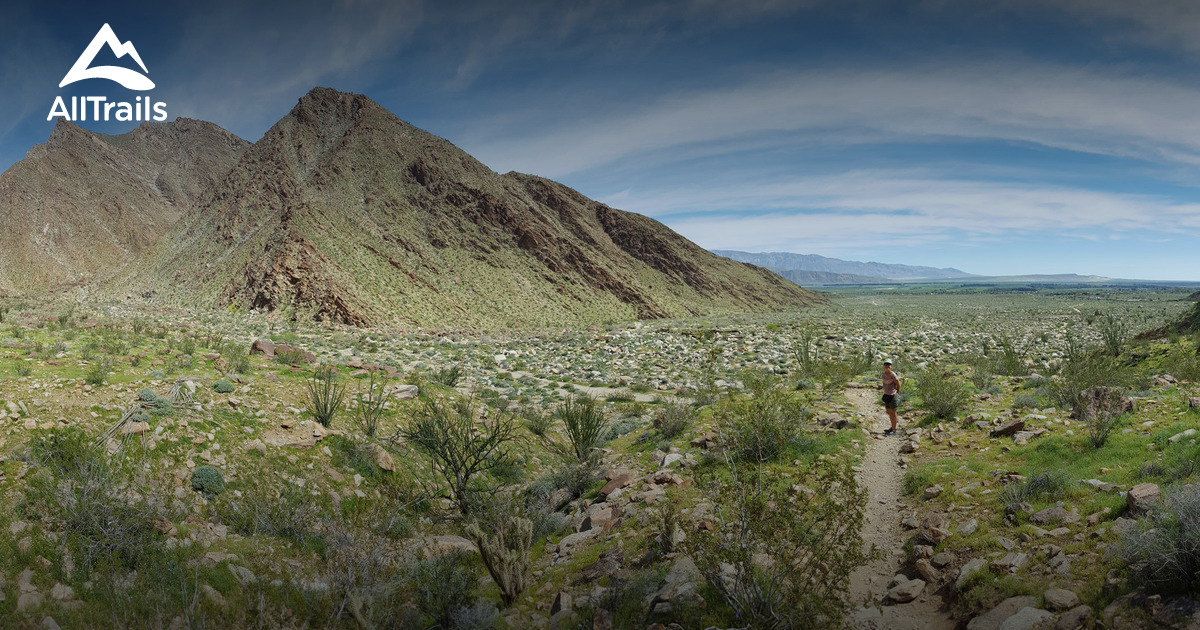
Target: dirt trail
{"x":882,"y":475}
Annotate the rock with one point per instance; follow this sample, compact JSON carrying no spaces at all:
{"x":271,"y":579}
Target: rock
{"x":567,"y":545}
{"x":1179,"y":436}
{"x":670,"y":458}
{"x":618,"y":478}
{"x":265,"y":347}
{"x":1009,"y":428}
{"x":1028,"y":618}
{"x":608,"y":564}
{"x":135,"y":428}
{"x":442,"y":544}
{"x":933,"y":529}
{"x":1106,"y":398}
{"x":1194,"y":402}
{"x":405,"y":392}
{"x":1141,"y":497}
{"x":1010,"y":562}
{"x":382,"y":458}
{"x":1074,"y":618}
{"x":1056,"y":514}
{"x":1061,"y":599}
{"x":941,"y":560}
{"x":992,"y":619}
{"x":932,"y":492}
{"x":48,"y":623}
{"x":213,"y":594}
{"x":562,"y":601}
{"x":62,"y":592}
{"x":1122,"y":525}
{"x":678,"y":590}
{"x":910,"y":522}
{"x":906,"y":591}
{"x":968,"y":527}
{"x":27,"y":601}
{"x":243,"y":575}
{"x":927,"y":572}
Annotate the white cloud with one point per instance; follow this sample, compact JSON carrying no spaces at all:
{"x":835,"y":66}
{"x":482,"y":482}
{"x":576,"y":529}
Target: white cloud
{"x":1104,"y":111}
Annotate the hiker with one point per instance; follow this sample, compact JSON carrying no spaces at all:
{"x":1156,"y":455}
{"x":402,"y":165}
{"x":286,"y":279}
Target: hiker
{"x":891,"y":389}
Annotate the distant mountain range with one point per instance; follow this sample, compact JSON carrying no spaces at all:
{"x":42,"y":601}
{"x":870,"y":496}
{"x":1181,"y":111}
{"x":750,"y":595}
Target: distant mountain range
{"x":839,"y":271}
{"x":342,"y":212}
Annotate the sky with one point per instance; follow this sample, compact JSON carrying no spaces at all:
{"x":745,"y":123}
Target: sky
{"x":994,"y":136}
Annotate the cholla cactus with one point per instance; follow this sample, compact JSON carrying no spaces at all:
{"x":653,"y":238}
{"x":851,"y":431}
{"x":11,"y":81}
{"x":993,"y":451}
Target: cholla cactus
{"x":505,"y":548}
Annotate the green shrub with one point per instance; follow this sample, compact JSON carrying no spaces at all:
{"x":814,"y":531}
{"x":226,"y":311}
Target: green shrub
{"x":673,"y":419}
{"x":448,"y":376}
{"x":1163,"y":552}
{"x":286,"y":512}
{"x":1048,"y":485}
{"x":147,"y":395}
{"x":370,"y":407}
{"x":621,"y":427}
{"x":325,"y":392}
{"x":442,"y":585}
{"x":814,"y":541}
{"x":1025,"y":401}
{"x":763,"y":427}
{"x":96,"y":372}
{"x":223,"y":386}
{"x":291,"y":356}
{"x":1114,"y":331}
{"x":536,"y":420}
{"x":942,"y":393}
{"x":585,"y":425}
{"x":461,"y":449}
{"x":23,"y":369}
{"x":208,"y":481}
{"x":1085,"y":374}
{"x":162,"y":407}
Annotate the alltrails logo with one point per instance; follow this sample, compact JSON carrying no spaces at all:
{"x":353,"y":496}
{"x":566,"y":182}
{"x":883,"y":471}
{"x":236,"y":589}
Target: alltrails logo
{"x":101,"y":108}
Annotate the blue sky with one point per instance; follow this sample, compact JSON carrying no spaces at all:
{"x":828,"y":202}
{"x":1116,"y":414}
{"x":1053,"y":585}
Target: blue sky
{"x":996,"y":137}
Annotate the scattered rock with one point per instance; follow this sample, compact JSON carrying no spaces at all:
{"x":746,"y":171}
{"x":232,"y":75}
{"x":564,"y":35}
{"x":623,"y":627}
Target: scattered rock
{"x":967,"y":569}
{"x":927,"y":572}
{"x":1077,"y":617}
{"x":933,"y":529}
{"x":1028,"y":618}
{"x":1141,"y":497}
{"x":382,"y":458}
{"x":906,"y":591}
{"x":1010,"y":562}
{"x":1056,"y":514}
{"x":1009,"y":428}
{"x":1061,"y":599}
{"x":405,"y":392}
{"x":968,"y":527}
{"x":992,"y":619}
{"x":932,"y":492}
{"x":265,"y":347}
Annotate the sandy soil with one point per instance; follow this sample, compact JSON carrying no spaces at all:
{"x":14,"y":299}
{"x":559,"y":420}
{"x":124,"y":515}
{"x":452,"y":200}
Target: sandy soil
{"x":882,"y":475}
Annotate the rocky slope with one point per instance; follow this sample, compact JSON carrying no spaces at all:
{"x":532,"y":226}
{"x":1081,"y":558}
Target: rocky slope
{"x":84,"y":204}
{"x":345,"y":213}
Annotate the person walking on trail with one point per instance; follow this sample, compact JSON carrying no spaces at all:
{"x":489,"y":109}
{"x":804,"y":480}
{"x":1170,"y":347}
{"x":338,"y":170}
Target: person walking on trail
{"x":891,"y":389}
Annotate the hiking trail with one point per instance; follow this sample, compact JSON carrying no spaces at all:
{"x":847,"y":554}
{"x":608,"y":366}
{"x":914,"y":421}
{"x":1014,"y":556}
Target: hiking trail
{"x":882,"y":476}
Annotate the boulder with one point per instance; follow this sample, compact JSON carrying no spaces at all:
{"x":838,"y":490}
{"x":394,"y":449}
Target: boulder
{"x":1061,"y":599}
{"x":1010,"y":562}
{"x":927,"y":572}
{"x":608,"y":564}
{"x":1029,"y":618}
{"x":382,"y":458}
{"x":1104,"y":399}
{"x":265,"y":347}
{"x":135,"y":428}
{"x":405,"y":392}
{"x":992,"y":619}
{"x":618,"y":478}
{"x":1056,"y":514}
{"x":933,"y":529}
{"x":1009,"y":428}
{"x":932,"y":492}
{"x":907,"y":591}
{"x":1142,"y":497}
{"x":1077,"y":617}
{"x":968,"y":527}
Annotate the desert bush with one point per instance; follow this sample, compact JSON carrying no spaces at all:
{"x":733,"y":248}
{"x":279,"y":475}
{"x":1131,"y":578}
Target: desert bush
{"x":147,"y":395}
{"x":370,"y":407}
{"x":621,"y":427}
{"x":942,"y":393}
{"x":1025,"y":401}
{"x":585,"y":425}
{"x":1047,"y":485}
{"x":537,"y":421}
{"x":187,"y":346}
{"x":443,"y":585}
{"x":237,"y":359}
{"x":208,"y":480}
{"x":285,"y":511}
{"x":448,"y":376}
{"x":673,"y":418}
{"x":162,"y":407}
{"x":1183,"y":362}
{"x":222,"y":386}
{"x":363,"y":572}
{"x":1011,"y":361}
{"x":460,"y":449}
{"x":814,"y":542}
{"x":761,"y":428}
{"x":96,"y":372}
{"x":1078,"y":377}
{"x":325,"y":392}
{"x":1102,"y":417}
{"x":1163,"y":552}
{"x":1114,"y":331}
{"x":79,"y":491}
{"x":504,"y":538}
{"x":138,"y":325}
{"x":22,"y":368}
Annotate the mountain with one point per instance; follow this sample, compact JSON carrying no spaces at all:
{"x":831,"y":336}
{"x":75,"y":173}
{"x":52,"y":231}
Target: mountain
{"x":346,"y":213}
{"x":811,"y":262}
{"x":814,"y":278}
{"x":84,"y":204}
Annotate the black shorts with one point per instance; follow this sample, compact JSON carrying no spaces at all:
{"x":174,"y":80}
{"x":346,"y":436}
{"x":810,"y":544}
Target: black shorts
{"x":889,"y":401}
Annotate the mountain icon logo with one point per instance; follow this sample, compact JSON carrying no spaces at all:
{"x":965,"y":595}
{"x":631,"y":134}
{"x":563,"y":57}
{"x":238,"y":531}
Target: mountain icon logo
{"x":129,"y":78}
